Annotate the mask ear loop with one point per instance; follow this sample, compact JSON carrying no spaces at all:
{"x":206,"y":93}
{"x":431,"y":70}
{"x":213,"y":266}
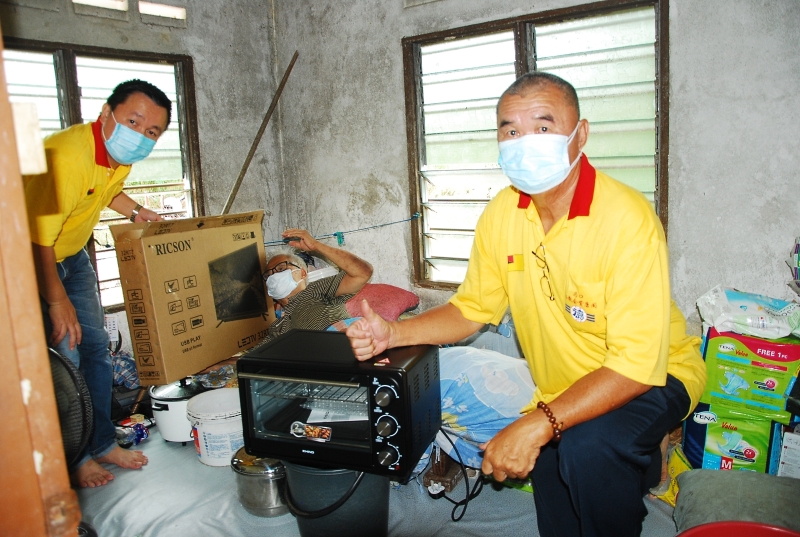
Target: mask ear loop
{"x":580,"y":151}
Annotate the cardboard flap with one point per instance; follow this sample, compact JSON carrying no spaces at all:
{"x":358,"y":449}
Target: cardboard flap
{"x":152,"y":229}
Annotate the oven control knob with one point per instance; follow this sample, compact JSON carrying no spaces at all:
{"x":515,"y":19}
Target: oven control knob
{"x":386,"y":426}
{"x":388,"y":456}
{"x":384,"y":396}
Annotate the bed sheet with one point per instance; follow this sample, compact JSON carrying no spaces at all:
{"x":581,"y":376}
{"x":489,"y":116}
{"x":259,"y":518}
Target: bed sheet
{"x":176,"y":494}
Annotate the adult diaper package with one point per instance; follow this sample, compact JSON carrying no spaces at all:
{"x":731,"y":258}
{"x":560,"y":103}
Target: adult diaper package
{"x":718,"y":437}
{"x":750,"y":314}
{"x":751,"y":373}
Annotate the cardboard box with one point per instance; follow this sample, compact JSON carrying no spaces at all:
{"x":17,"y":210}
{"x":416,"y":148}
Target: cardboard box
{"x":790,"y":455}
{"x":751,"y":372}
{"x":719,"y":437}
{"x":193,"y":289}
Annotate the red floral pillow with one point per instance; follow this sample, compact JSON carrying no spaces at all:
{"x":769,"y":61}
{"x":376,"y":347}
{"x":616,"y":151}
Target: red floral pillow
{"x":386,"y":300}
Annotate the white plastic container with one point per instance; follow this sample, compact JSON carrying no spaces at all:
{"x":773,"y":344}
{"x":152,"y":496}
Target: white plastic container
{"x":216,"y":419}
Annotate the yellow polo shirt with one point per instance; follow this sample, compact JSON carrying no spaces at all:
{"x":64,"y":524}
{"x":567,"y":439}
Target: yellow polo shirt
{"x":609,"y":274}
{"x":64,"y":203}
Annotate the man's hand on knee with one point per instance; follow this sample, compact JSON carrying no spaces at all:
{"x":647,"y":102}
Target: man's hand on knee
{"x":512,"y":453}
{"x":65,"y":323}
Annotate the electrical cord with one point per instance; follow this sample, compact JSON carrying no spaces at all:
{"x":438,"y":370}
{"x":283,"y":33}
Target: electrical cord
{"x":471,"y":494}
{"x":296,"y":511}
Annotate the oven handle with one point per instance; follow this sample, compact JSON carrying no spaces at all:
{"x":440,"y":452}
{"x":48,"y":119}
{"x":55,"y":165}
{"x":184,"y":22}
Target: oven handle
{"x":258,"y":376}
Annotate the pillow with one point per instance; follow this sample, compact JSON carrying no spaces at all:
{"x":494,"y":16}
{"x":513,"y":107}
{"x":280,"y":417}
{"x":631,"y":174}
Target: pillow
{"x":717,"y":495}
{"x":386,"y":300}
{"x":482,"y":392}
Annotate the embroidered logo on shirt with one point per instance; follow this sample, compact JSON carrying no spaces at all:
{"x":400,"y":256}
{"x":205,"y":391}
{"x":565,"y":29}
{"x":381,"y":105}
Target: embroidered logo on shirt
{"x":516,"y":263}
{"x":579,"y":314}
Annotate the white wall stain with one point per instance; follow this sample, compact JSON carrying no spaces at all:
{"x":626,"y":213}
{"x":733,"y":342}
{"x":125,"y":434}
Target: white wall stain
{"x":38,"y":458}
{"x":25,"y":385}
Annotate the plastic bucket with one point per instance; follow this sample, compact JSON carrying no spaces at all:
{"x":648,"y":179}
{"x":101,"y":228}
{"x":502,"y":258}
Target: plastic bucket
{"x":216,"y":419}
{"x":364,"y":514}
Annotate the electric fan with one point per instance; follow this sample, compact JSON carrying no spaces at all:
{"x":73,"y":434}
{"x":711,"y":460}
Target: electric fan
{"x":74,"y":406}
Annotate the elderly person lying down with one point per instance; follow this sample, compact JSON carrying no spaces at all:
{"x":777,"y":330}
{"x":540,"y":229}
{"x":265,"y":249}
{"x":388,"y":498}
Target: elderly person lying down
{"x":318,"y":304}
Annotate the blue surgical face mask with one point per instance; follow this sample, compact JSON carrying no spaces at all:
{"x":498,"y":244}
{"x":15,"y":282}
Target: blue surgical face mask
{"x":535,"y":163}
{"x":127,"y":146}
{"x":281,"y":284}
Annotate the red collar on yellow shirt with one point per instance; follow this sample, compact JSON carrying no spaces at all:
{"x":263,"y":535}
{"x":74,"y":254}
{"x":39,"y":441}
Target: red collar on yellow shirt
{"x":100,"y":153}
{"x":584,"y":192}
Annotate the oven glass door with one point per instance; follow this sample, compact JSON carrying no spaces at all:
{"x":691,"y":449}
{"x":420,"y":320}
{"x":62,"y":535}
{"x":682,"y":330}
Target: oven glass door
{"x":290,"y":409}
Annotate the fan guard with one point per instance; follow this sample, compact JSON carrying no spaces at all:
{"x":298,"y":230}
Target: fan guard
{"x":74,"y":406}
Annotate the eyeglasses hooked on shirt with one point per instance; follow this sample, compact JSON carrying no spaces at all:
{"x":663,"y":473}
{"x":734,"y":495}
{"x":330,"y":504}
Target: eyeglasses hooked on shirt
{"x":541,"y":260}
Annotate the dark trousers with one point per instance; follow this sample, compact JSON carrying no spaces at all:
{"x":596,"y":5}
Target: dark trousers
{"x":592,"y":483}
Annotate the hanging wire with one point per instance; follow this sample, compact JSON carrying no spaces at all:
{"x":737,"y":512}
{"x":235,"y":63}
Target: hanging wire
{"x":339,"y":235}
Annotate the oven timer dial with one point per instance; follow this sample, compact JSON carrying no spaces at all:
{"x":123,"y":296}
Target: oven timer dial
{"x":386,"y":426}
{"x":384,"y":395}
{"x":388,"y":455}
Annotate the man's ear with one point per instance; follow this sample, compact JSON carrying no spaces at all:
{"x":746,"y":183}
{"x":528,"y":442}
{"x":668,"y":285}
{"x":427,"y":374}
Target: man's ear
{"x":582,"y":134}
{"x":105,"y":112}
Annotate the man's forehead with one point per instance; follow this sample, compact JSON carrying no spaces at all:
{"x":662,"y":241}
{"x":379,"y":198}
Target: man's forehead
{"x":136,"y":100}
{"x":277,"y":259}
{"x":545,"y":101}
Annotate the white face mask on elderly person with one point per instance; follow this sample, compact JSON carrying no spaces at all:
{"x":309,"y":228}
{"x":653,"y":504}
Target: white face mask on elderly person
{"x":535,"y":163}
{"x":281,"y":284}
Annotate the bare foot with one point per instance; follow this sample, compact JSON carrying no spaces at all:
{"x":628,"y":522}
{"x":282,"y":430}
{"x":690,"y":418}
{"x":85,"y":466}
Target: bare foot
{"x":124,"y":458}
{"x":90,"y":475}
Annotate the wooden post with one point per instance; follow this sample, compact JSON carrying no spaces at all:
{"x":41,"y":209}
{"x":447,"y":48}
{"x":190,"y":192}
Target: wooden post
{"x":36,"y":498}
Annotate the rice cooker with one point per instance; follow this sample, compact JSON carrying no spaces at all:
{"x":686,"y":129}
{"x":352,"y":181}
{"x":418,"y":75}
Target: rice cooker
{"x":169,"y":408}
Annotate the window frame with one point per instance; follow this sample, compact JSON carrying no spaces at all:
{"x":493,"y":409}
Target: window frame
{"x":523,"y":28}
{"x":64,"y":60}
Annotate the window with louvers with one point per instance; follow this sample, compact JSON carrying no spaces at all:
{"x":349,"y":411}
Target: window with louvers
{"x":163,"y":181}
{"x":610,"y":58}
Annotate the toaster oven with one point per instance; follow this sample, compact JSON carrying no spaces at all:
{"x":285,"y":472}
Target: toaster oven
{"x":307,"y":400}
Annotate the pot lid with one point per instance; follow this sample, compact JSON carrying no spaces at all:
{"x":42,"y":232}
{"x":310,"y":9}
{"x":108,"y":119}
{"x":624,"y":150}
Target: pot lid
{"x":246,"y":464}
{"x":181,"y":390}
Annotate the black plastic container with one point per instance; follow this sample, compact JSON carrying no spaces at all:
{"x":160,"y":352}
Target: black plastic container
{"x":364,"y":514}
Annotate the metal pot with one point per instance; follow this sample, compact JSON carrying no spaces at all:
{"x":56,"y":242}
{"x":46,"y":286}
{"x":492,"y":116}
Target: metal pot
{"x":261,"y":483}
{"x":169,"y":408}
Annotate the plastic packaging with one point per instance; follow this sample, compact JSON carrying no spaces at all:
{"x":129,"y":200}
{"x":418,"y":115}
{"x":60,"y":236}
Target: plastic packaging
{"x":729,"y":310}
{"x":132,"y":436}
{"x":677,"y":463}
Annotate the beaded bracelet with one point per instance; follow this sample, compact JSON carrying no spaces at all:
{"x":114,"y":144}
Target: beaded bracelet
{"x":553,"y":422}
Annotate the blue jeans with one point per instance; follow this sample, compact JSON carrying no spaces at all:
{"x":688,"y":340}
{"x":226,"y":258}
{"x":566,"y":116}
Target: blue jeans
{"x":592,"y":483}
{"x":91,"y":356}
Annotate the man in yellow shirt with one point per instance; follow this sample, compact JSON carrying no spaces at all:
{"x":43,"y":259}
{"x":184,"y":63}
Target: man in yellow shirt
{"x":87,"y":166}
{"x":581,"y":260}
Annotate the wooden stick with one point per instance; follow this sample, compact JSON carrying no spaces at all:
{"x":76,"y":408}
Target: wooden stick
{"x":238,"y":182}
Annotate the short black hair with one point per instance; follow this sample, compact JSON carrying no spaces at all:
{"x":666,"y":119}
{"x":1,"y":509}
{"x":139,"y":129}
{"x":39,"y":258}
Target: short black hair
{"x":537,"y":79}
{"x":125,"y":89}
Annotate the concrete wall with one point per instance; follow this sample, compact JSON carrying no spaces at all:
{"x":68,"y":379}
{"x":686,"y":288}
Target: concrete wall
{"x":334,"y":158}
{"x":735,"y":73}
{"x":235,"y":80}
{"x":733,"y":136}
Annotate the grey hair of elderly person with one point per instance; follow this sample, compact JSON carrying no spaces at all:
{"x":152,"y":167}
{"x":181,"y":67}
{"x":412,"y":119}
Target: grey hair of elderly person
{"x":291,"y":255}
